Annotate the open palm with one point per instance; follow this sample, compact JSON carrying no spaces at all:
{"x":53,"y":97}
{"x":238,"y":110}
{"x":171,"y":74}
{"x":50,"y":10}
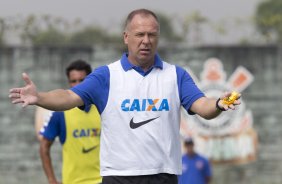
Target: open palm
{"x":26,"y":95}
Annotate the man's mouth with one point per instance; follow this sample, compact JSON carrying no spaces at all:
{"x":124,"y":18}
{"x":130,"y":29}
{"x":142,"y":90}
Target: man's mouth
{"x":145,"y":51}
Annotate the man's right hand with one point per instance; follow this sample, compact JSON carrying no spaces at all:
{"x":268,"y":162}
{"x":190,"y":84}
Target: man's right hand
{"x":26,"y":95}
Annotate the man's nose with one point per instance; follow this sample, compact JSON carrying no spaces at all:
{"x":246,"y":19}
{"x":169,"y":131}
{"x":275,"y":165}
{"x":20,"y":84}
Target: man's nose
{"x":146,"y":39}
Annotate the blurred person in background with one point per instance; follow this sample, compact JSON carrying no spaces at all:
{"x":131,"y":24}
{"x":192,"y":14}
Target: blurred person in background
{"x":196,"y":169}
{"x":139,"y":98}
{"x":79,"y":134}
{"x":41,"y":116}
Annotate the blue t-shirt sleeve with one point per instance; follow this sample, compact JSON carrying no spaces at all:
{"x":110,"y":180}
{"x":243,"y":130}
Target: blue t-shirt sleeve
{"x":52,"y":129}
{"x":95,"y":88}
{"x":188,"y":90}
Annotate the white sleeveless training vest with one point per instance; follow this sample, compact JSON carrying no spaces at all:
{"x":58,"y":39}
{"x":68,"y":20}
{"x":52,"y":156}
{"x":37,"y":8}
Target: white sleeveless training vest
{"x":140,"y":123}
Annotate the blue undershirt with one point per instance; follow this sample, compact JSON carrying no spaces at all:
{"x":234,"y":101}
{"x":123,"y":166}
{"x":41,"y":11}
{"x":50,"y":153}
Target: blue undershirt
{"x":95,"y":88}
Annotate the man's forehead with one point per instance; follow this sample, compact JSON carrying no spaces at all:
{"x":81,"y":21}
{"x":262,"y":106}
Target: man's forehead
{"x":141,"y":19}
{"x":143,"y":25}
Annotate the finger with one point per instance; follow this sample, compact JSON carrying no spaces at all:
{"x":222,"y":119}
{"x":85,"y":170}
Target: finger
{"x":222,"y":105}
{"x":225,"y":94}
{"x":225,"y":107}
{"x":13,"y":99}
{"x":16,"y":101}
{"x":26,"y":79}
{"x":15,"y":90}
{"x":14,"y":95}
{"x":25,"y":103}
{"x":232,"y":107}
{"x":237,"y":102}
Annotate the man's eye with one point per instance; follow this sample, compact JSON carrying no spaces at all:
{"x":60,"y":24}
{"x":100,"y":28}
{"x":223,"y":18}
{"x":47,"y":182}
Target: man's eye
{"x":140,"y":35}
{"x":153,"y":35}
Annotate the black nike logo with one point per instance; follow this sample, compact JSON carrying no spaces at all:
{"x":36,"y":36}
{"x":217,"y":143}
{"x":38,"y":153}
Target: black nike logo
{"x":136,"y":125}
{"x":88,"y":150}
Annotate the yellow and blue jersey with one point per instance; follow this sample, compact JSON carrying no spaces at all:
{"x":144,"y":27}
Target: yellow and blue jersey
{"x":79,"y":134}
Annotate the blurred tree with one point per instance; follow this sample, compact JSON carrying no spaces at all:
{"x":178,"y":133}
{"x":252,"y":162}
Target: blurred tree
{"x":51,"y":36}
{"x":219,"y":30}
{"x":269,"y":19}
{"x":44,"y":30}
{"x":191,"y":27}
{"x":5,"y":26}
{"x":88,"y":36}
{"x":2,"y":30}
{"x":47,"y":30}
{"x":168,"y":33}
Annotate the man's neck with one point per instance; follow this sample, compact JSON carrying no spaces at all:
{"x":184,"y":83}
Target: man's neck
{"x":145,"y":65}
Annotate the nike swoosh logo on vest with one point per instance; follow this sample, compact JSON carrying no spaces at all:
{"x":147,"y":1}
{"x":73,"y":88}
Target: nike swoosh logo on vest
{"x":134,"y":125}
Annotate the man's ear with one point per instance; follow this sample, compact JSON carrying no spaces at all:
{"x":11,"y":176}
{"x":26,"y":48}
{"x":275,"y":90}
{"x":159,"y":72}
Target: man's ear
{"x":125,"y":37}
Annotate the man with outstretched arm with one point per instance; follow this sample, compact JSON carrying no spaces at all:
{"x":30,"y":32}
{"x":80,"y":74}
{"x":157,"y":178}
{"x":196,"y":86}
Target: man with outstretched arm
{"x":139,"y":98}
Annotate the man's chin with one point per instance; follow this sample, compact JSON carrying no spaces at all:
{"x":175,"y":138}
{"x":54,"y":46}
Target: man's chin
{"x":146,"y":59}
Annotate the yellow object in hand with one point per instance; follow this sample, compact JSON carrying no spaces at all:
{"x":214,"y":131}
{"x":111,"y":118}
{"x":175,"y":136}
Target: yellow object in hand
{"x":230,"y":100}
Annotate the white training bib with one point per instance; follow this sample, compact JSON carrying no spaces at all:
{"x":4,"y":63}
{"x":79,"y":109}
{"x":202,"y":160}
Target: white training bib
{"x":140,"y":123}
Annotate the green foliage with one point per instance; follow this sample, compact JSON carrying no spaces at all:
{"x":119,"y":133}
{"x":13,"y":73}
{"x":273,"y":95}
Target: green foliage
{"x":45,"y":30}
{"x":49,"y":37}
{"x":4,"y":27}
{"x":88,"y":36}
{"x":48,"y":30}
{"x":2,"y":30}
{"x":191,"y":26}
{"x":269,"y":19}
{"x":168,"y":33}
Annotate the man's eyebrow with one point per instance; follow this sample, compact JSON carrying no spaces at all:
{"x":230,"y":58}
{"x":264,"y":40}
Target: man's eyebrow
{"x":148,"y":32}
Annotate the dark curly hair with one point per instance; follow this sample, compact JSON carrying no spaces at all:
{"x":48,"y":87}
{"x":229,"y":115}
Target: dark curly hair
{"x":79,"y":65}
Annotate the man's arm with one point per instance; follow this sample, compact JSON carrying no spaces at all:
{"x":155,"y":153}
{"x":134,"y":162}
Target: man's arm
{"x":57,"y":100}
{"x":45,"y":146}
{"x":206,"y":107}
{"x":193,"y":100}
